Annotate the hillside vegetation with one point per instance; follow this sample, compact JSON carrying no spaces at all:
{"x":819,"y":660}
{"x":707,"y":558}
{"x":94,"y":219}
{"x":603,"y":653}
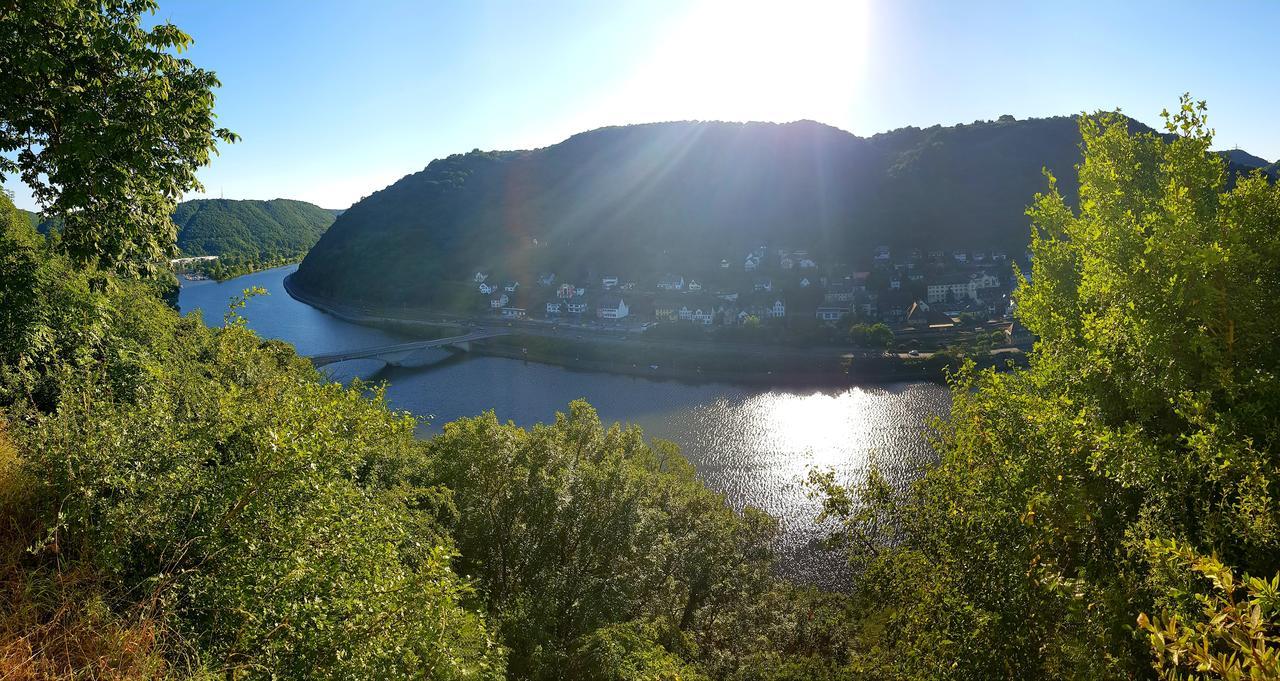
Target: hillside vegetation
{"x":673,"y":196}
{"x":183,"y":500}
{"x":265,"y":230}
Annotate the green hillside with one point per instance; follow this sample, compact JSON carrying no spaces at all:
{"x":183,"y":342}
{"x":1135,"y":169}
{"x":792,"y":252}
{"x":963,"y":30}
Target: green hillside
{"x":264,"y":230}
{"x":643,"y":198}
{"x":33,"y":218}
{"x":246,"y":231}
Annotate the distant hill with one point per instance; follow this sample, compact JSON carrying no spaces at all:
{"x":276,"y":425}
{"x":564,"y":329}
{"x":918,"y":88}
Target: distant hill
{"x":1245,"y":160}
{"x":33,"y":218}
{"x":683,"y":195}
{"x":248,"y":230}
{"x":279,"y":228}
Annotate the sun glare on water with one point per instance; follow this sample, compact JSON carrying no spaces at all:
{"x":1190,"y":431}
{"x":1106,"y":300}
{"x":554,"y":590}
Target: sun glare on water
{"x":737,"y":61}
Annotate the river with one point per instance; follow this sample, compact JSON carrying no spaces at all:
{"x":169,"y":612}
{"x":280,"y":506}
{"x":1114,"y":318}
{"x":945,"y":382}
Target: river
{"x":753,"y":444}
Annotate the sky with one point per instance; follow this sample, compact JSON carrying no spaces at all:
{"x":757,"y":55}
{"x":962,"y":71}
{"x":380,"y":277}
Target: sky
{"x":335,"y":100}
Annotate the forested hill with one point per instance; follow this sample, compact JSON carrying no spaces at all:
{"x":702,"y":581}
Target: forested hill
{"x":683,"y":194}
{"x":33,"y":218}
{"x":279,"y":228}
{"x":243,"y":230}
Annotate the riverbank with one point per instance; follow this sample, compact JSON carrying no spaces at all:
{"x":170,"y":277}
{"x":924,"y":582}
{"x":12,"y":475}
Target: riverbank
{"x":691,"y":361}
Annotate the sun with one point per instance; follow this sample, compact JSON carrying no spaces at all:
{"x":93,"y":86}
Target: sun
{"x":767,"y":61}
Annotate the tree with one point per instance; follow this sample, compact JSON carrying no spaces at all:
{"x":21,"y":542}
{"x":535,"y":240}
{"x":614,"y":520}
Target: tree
{"x":877,"y":335}
{"x":1144,"y":417}
{"x":108,"y":125}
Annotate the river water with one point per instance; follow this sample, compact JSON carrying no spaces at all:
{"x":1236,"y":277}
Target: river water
{"x":754,"y":444}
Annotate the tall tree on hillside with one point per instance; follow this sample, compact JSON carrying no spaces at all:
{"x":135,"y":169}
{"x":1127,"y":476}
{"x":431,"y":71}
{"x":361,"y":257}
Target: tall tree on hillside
{"x":1147,"y":416}
{"x":105,"y":123}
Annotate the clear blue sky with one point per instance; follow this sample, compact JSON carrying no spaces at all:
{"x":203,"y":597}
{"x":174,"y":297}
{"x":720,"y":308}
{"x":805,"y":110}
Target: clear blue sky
{"x":335,"y":100}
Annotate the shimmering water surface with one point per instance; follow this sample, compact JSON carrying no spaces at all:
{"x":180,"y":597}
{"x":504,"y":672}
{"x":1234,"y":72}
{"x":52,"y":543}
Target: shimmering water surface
{"x":752,"y":443}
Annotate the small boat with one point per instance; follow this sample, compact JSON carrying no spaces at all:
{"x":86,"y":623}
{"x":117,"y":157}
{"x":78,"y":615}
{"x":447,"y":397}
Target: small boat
{"x":653,"y":366}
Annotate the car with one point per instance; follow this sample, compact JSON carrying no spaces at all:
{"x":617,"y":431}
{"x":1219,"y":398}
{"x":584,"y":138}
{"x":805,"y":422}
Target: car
{"x":914,"y":353}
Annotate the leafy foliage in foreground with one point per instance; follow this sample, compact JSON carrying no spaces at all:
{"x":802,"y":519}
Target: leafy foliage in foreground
{"x":215,"y":484}
{"x":1147,"y":416}
{"x":105,"y":123}
{"x":198,"y":501}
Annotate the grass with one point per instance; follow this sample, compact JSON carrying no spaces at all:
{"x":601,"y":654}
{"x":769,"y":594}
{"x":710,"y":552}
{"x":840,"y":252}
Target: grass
{"x":56,"y":619}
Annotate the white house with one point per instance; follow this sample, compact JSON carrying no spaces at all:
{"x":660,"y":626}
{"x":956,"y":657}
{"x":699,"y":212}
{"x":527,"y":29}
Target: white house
{"x":778,"y":310}
{"x":554,"y":307}
{"x":960,"y":256}
{"x":576,"y":304}
{"x":762,"y":285}
{"x":694,"y":286}
{"x":609,"y":282}
{"x":831,"y":313}
{"x":499,"y":300}
{"x":895,"y":282}
{"x":511,"y":286}
{"x":882,"y":254}
{"x":751,"y":264}
{"x":954,"y":288}
{"x":671,"y":282}
{"x":486,"y":289}
{"x":612,"y":307}
{"x":724,"y":264}
{"x":807,"y":264}
{"x":513,"y":312}
{"x":566,"y":291}
{"x":804,"y":282}
{"x":787,"y":262}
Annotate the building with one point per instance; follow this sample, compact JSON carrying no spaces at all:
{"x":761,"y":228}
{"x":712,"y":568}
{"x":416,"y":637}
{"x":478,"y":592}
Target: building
{"x":511,"y":286}
{"x":480,"y":277}
{"x":499,"y":301}
{"x":513,"y":312}
{"x":554,"y":307}
{"x":486,"y":289}
{"x":955,"y":287}
{"x":961,"y":287}
{"x":777,"y":310}
{"x":671,"y":282}
{"x":612,"y":307}
{"x":566,"y":291}
{"x":831,"y":313}
{"x":762,"y":285}
{"x":577,"y":304}
{"x":608,"y":282}
{"x":666,"y":309}
{"x":694,"y":286}
{"x":838,"y":292}
{"x":546,"y":278}
{"x":882,"y":254}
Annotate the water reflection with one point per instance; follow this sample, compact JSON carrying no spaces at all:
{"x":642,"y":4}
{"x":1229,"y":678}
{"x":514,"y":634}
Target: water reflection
{"x":754,"y":445}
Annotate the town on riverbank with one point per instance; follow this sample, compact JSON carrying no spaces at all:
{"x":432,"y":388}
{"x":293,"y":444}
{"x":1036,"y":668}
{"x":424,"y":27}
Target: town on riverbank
{"x":775,"y":319}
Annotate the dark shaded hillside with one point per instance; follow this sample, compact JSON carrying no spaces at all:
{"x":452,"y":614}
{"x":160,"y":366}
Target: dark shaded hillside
{"x":251,"y":229}
{"x":1244,"y":159}
{"x":687,"y":194}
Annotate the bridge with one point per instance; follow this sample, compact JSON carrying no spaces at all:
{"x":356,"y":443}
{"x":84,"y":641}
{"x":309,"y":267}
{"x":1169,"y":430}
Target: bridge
{"x":395,"y":354}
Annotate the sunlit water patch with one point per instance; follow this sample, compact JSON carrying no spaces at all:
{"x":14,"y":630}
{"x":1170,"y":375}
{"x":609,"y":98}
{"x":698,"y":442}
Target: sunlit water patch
{"x":755,"y":445}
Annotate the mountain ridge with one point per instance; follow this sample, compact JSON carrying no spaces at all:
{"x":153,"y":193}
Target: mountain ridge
{"x":682,"y":194}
